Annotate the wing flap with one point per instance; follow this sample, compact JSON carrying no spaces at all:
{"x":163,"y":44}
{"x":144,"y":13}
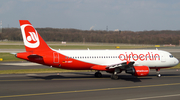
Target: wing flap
{"x":122,"y":66}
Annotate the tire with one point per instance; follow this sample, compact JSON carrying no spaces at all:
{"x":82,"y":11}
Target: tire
{"x":159,"y":75}
{"x":114,"y":77}
{"x":98,"y":75}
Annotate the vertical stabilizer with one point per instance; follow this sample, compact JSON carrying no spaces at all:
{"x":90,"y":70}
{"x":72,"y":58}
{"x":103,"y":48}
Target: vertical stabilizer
{"x":32,"y":40}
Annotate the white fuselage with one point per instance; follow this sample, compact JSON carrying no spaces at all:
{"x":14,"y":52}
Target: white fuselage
{"x":150,"y":58}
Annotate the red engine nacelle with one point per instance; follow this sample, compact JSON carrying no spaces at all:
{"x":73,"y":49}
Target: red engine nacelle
{"x":138,"y":70}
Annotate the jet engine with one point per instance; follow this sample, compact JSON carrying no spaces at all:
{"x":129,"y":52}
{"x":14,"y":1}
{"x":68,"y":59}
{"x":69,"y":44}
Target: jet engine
{"x":138,"y":70}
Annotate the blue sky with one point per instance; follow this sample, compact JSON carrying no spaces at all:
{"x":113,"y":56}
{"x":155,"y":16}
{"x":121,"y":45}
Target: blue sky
{"x":133,"y":15}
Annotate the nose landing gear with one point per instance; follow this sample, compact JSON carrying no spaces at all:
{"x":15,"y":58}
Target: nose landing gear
{"x":158,"y":73}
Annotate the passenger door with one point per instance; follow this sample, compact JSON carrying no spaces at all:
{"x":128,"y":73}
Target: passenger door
{"x":163,"y":57}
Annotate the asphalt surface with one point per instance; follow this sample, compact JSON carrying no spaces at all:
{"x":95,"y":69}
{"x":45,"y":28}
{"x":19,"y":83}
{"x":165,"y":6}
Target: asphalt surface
{"x":83,"y":86}
{"x":20,"y":65}
{"x":11,"y":50}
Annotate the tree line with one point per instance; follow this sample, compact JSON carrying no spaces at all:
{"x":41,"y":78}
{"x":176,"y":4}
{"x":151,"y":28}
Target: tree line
{"x":75,"y":35}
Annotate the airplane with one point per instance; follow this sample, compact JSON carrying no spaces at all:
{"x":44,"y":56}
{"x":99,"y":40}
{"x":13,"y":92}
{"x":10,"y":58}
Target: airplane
{"x":135,"y":62}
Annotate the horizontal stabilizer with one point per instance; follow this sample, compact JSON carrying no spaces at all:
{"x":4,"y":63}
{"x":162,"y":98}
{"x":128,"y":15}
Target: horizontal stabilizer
{"x":34,"y":56}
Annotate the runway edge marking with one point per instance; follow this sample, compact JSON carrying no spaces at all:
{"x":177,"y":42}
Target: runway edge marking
{"x":91,"y":90}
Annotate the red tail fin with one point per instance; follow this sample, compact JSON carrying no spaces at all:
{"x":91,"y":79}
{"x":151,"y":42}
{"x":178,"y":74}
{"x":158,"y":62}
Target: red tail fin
{"x":32,"y":40}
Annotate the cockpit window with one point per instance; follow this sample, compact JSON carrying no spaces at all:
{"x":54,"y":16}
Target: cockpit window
{"x":171,"y":56}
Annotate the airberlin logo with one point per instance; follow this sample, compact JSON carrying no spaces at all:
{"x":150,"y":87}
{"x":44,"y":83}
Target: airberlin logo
{"x":142,"y":70}
{"x":30,"y":36}
{"x":133,"y":56}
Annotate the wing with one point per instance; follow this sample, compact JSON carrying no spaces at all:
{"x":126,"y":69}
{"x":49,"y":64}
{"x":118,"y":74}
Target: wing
{"x":122,"y":66}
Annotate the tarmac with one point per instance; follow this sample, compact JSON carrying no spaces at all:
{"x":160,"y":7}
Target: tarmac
{"x":83,"y":86}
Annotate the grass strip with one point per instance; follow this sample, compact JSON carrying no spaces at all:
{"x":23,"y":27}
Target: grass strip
{"x":175,"y":67}
{"x":45,"y":70}
{"x":9,"y":57}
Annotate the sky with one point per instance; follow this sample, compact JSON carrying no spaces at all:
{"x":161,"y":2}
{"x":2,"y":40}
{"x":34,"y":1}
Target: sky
{"x":130,"y":15}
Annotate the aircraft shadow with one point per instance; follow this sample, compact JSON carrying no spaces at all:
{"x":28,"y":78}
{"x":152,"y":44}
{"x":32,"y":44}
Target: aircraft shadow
{"x":132,"y":78}
{"x":50,"y":77}
{"x":165,"y":75}
{"x":121,"y":77}
{"x":89,"y":75}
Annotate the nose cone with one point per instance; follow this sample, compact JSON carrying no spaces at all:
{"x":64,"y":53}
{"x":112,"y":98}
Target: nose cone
{"x":175,"y":61}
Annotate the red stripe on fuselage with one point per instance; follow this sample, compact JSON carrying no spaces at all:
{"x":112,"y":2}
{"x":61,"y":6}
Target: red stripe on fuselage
{"x":66,"y":63}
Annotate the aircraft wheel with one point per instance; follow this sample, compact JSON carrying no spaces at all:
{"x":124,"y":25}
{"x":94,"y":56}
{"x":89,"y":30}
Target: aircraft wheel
{"x":114,"y":77}
{"x":158,"y":75}
{"x":98,"y":74}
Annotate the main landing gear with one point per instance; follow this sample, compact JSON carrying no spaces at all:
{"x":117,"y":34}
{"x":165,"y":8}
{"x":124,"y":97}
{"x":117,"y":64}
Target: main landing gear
{"x":114,"y":75}
{"x":158,"y":73}
{"x":98,"y":74}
